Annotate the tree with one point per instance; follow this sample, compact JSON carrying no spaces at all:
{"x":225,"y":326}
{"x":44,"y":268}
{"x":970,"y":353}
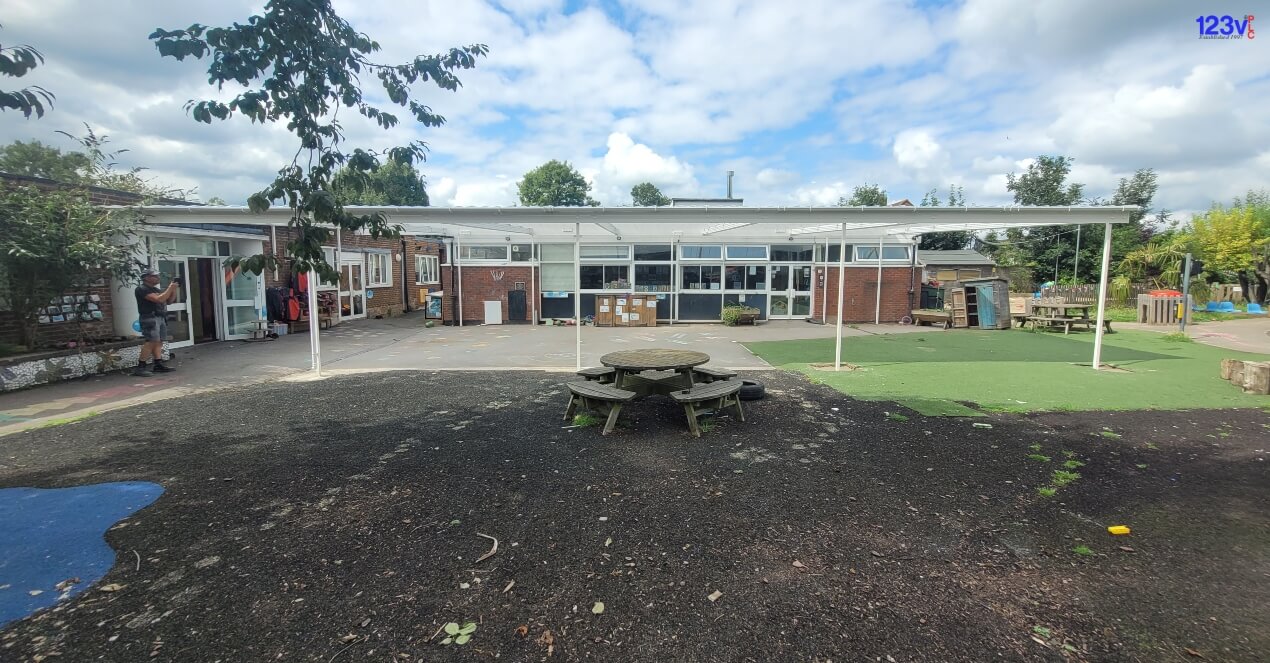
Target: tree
{"x":951,"y":240}
{"x":1236,"y":240}
{"x":867,"y":195}
{"x":35,"y":159}
{"x":390,"y":184}
{"x":647,"y":194}
{"x":1044,"y":183}
{"x":16,"y":62}
{"x":217,"y":201}
{"x":302,"y":64}
{"x":555,"y":184}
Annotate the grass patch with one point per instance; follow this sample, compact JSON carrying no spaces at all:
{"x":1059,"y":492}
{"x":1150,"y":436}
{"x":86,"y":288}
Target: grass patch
{"x":67,"y":420}
{"x":939,"y":407}
{"x":708,"y":425}
{"x":1083,"y":551}
{"x":1022,"y":371}
{"x":1035,"y":447}
{"x":1046,"y":491}
{"x":1177,"y":337}
{"x":1109,"y":434}
{"x":585,"y":420}
{"x":1063,"y":477}
{"x":896,"y":416}
{"x":1039,"y":457}
{"x":1072,"y":464}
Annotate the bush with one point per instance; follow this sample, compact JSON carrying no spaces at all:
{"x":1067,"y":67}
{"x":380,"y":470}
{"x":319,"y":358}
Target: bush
{"x":732,"y":313}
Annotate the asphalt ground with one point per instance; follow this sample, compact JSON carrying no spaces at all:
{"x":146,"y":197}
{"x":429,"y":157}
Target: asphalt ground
{"x":341,"y":520}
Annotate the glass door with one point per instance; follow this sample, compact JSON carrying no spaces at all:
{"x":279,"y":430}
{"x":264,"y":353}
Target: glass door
{"x":240,"y":296}
{"x":179,"y":326}
{"x":789,"y":292}
{"x":352,"y":286}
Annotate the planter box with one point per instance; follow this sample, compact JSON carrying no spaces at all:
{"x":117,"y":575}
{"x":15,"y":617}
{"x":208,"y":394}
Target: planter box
{"x":40,"y":368}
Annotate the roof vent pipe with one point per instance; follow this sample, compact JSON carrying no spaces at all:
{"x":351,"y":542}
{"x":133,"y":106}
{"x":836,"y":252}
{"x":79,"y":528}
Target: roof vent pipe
{"x":730,"y":174}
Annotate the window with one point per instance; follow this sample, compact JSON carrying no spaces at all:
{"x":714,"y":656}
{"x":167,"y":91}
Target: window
{"x":791,"y":252}
{"x":378,"y":270}
{"x":520,"y":253}
{"x":652,"y":252}
{"x":745,"y":277}
{"x":700,"y":277}
{"x":557,"y":277}
{"x":700,"y":252}
{"x":895,"y":253}
{"x":738,"y":252}
{"x":427,"y":270}
{"x":483,"y":252}
{"x":652,"y":278}
{"x":605,"y":252}
{"x":604,"y":277}
{"x":866,"y":252}
{"x":556,"y":252}
{"x":833,"y":253}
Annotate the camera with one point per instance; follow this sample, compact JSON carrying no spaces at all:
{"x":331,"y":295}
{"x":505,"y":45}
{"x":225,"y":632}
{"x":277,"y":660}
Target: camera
{"x":176,"y":280}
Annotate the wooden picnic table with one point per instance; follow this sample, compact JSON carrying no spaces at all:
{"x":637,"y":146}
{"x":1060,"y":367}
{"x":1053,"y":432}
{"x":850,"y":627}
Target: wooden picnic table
{"x":1061,"y":315}
{"x":629,"y":363}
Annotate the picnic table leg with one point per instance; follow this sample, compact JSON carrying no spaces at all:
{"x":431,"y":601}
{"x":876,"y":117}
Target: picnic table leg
{"x":614,"y":410}
{"x":688,"y":375}
{"x":573,"y":407}
{"x":736,"y":403}
{"x":618,"y":374}
{"x":691,"y":413}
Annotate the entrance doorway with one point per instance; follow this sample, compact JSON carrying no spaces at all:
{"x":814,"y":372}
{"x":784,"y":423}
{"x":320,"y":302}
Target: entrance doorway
{"x":352,"y":287}
{"x":202,"y":299}
{"x":789,"y":292}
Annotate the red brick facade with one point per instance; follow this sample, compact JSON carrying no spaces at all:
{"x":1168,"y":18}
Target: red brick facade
{"x":860,"y":293}
{"x":487,"y":283}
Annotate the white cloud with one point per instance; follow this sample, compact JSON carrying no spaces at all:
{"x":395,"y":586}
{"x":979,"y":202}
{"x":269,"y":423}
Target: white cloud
{"x":814,"y":195}
{"x":917,"y":152}
{"x":627,"y":163}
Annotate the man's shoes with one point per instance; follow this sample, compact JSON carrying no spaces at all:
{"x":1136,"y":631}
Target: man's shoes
{"x":160,"y":368}
{"x":142,"y":371}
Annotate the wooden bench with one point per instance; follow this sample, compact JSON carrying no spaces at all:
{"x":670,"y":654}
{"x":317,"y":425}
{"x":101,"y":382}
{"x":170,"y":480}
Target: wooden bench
{"x":717,"y":395}
{"x":1066,"y":323}
{"x":923,"y":317}
{"x":707,"y":374}
{"x":601,"y":374}
{"x":599,"y":397}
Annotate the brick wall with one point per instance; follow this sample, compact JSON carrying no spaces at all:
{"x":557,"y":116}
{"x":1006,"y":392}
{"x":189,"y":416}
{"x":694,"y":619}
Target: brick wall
{"x":480,"y":284}
{"x":860,"y":293}
{"x":56,"y":333}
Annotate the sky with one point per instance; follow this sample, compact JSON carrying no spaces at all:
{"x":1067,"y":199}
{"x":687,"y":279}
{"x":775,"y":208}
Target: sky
{"x":803,"y":100}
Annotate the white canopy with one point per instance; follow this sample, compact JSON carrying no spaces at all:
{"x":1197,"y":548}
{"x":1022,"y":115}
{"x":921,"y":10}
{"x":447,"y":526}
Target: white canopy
{"x":695,"y":224}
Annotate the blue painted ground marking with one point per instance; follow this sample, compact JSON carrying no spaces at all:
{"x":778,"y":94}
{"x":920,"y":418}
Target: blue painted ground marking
{"x":50,"y":535}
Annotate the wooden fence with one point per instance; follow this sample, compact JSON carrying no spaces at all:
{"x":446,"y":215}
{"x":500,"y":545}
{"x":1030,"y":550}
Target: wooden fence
{"x":1088,"y":294}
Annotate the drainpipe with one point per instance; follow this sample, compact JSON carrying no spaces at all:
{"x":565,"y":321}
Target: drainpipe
{"x":405,"y":289}
{"x":912,"y":274}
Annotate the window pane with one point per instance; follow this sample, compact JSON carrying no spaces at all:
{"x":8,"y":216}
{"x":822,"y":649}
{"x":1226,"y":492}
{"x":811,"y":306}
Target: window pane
{"x":866,"y":252}
{"x":791,"y":252}
{"x":520,"y":253}
{"x":652,"y":278}
{"x":747,"y":252}
{"x":556,"y":252}
{"x":833,"y":253}
{"x":591,"y":277}
{"x":690,"y":278}
{"x":711,"y":277}
{"x":700,"y":252}
{"x":617,"y":277}
{"x":734,"y":277}
{"x":557,"y":277}
{"x":608,"y":251}
{"x":756,"y":277}
{"x":780,"y":278}
{"x":895,"y":253}
{"x":487,"y":252}
{"x":652,"y":252}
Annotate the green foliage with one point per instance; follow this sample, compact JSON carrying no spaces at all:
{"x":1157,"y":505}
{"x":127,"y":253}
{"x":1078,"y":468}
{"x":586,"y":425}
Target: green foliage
{"x":16,"y":62}
{"x":555,"y":184}
{"x":393,"y":183}
{"x":1046,"y":491}
{"x":1083,"y":551}
{"x":1041,"y":631}
{"x":1045,"y":183}
{"x":216,"y":201}
{"x":896,"y":416}
{"x":1177,"y":337}
{"x":867,"y":195}
{"x":458,"y":635}
{"x":1109,"y":434}
{"x":731,"y":315}
{"x":953,"y":239}
{"x":646,"y":194}
{"x":35,"y":159}
{"x":1062,"y":478}
{"x":586,"y":420}
{"x":1072,"y":464}
{"x":300,"y":64}
{"x":1039,"y":457}
{"x":1236,"y":241}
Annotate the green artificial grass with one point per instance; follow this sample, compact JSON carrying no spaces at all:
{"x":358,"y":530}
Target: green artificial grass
{"x":938,"y":407}
{"x":1021,"y":371}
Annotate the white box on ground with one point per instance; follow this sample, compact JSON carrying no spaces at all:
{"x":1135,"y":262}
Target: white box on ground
{"x":494,"y":312}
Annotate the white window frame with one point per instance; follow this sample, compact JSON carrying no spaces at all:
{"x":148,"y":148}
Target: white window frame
{"x":618,"y":253}
{"x":465,"y":251}
{"x":378,"y":275}
{"x":427,"y":270}
{"x":860,"y":248}
{"x":716,"y":246}
{"x":727,"y":249}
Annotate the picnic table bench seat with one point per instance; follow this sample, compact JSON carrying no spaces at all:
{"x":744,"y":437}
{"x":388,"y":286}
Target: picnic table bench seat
{"x":1066,"y":323}
{"x":717,"y":395}
{"x":602,"y":398}
{"x":922,"y":317}
{"x":709,"y":374}
{"x":603,"y":374}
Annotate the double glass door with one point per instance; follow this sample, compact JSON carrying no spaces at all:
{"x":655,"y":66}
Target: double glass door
{"x":352,"y":286}
{"x":789,"y":291}
{"x":212,"y":304}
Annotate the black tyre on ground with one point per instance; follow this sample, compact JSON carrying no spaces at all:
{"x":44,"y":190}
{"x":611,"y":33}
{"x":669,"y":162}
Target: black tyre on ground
{"x":751,"y":390}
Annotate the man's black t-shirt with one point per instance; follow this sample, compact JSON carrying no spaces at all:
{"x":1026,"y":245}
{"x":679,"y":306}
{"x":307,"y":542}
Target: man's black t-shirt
{"x":145,"y":307}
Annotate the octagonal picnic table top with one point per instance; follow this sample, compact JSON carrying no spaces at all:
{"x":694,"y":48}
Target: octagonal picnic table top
{"x":654,"y":359}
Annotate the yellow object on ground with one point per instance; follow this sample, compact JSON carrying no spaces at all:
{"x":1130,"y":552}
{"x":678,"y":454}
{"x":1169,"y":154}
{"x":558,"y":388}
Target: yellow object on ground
{"x":1118,"y":530}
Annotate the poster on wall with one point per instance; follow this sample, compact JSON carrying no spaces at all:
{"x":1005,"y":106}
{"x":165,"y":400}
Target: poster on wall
{"x":434,"y":306}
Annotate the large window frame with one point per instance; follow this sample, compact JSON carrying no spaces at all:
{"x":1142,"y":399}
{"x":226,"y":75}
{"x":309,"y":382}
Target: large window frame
{"x":427,"y":270}
{"x":614,"y":276}
{"x":378,"y":270}
{"x":744,"y":252}
{"x":484,"y":252}
{"x":869,"y":252}
{"x":699,"y":278}
{"x":694,"y":252}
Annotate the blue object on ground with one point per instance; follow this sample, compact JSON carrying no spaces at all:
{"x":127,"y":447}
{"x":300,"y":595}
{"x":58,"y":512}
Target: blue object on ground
{"x":1212,"y":307}
{"x":1255,"y":309}
{"x":1226,"y":307}
{"x":56,"y":534}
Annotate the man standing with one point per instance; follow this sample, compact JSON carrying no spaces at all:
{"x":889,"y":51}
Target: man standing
{"x":152,"y":307}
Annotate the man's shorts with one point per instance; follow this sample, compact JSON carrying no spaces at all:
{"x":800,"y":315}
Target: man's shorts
{"x":154,"y":329}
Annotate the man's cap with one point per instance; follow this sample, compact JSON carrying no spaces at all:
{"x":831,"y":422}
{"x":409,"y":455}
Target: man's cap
{"x":149,"y":272}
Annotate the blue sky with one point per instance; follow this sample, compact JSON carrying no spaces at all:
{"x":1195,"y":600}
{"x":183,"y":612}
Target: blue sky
{"x":803,"y":100}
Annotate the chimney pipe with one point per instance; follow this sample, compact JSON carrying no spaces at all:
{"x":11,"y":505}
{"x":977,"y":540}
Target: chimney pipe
{"x":730,"y":174}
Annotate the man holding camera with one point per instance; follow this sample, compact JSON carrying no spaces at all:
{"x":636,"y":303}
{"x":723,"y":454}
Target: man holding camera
{"x":152,"y":308}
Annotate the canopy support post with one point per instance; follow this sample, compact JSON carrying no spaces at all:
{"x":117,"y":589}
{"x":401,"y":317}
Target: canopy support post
{"x":315,"y":342}
{"x":877,"y":305}
{"x":1102,"y":295}
{"x":842,"y":254}
{"x":577,"y":294}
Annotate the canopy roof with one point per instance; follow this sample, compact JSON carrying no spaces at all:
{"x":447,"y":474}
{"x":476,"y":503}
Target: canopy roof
{"x":687,"y":224}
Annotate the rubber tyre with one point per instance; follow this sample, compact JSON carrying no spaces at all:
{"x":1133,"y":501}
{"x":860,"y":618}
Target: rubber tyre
{"x":752,"y":390}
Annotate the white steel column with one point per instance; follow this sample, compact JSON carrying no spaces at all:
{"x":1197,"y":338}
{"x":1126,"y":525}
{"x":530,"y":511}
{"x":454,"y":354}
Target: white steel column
{"x":339,"y":268}
{"x":533,"y":283}
{"x":824,"y":290}
{"x":457,"y":266}
{"x":577,"y":293}
{"x":842,"y":263}
{"x":315,"y":343}
{"x":1102,"y":295}
{"x":877,"y":305}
